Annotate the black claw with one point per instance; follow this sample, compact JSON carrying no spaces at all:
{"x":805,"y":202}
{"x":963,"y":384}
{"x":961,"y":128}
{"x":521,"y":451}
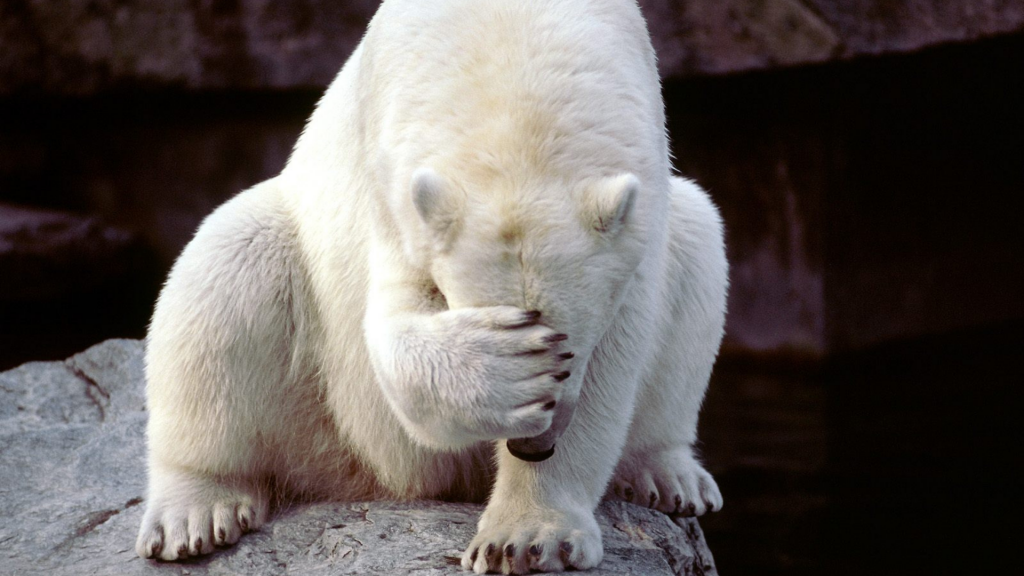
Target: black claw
{"x":533,"y":314}
{"x":182,"y":551}
{"x":221,"y":535}
{"x":561,"y":376}
{"x":566,"y":355}
{"x":530,"y":456}
{"x":490,"y":551}
{"x":510,"y":550}
{"x":535,"y":550}
{"x":155,"y":550}
{"x":472,"y":555}
{"x":654,"y":498}
{"x":679,"y":502}
{"x":550,"y":405}
{"x":566,"y":548}
{"x":199,"y":545}
{"x":691,"y":510}
{"x":556,"y":338}
{"x":244,"y":522}
{"x":709,"y":506}
{"x":628,"y":493}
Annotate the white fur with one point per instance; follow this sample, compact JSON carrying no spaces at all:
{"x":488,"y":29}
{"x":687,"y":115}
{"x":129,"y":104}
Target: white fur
{"x":357,"y":327}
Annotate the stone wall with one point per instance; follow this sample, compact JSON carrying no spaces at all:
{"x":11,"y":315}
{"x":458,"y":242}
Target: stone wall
{"x":88,"y":46}
{"x":839,"y":172}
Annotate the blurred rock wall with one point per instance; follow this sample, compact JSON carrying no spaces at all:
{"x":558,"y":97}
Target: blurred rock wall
{"x":89,"y":46}
{"x":864,"y":153}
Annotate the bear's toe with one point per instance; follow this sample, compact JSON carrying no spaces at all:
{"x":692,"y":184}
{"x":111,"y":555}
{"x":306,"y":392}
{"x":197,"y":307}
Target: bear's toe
{"x":673,"y":484}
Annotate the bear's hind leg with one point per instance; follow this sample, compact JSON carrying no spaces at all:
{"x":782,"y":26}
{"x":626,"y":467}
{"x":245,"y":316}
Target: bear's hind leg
{"x":659,"y":468}
{"x":190,"y":514}
{"x":669,"y":480}
{"x":221,"y":379}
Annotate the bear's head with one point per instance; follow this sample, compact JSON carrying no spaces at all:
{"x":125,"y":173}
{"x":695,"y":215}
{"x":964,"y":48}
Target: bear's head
{"x":567,"y":249}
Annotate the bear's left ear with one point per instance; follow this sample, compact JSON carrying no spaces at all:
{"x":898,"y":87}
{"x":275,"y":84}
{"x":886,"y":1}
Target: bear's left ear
{"x":615,"y":198}
{"x":433,"y":202}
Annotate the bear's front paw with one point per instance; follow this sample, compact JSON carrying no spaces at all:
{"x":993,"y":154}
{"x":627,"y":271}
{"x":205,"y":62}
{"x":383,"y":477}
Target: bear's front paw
{"x":671,"y":481}
{"x":503,"y":371}
{"x":534,"y":539}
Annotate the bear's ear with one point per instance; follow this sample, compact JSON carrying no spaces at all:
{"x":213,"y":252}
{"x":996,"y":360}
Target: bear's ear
{"x":614,"y":202}
{"x":433,"y":200}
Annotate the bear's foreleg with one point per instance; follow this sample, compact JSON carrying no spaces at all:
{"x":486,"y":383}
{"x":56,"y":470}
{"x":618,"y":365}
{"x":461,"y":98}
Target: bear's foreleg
{"x":541,"y":515}
{"x":218,"y":358}
{"x":458,"y":377}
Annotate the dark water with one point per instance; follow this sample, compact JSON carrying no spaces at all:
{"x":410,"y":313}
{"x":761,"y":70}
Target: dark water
{"x":902,"y":459}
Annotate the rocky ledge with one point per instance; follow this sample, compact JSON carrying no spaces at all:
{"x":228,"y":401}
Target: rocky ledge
{"x":72,"y":480}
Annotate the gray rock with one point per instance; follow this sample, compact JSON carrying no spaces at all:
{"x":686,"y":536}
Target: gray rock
{"x":85,"y":46}
{"x":72,"y":480}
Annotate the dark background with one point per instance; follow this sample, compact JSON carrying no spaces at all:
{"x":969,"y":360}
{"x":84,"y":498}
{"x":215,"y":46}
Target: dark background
{"x":867,"y":156}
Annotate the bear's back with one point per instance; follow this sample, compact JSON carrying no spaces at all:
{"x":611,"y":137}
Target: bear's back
{"x":561,"y":86}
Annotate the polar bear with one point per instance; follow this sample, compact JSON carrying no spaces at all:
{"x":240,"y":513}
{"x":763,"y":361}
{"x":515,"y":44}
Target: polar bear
{"x":478,"y":239}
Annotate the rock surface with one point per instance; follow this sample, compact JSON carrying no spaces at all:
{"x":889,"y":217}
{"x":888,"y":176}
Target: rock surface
{"x":85,"y":46}
{"x":72,"y":479}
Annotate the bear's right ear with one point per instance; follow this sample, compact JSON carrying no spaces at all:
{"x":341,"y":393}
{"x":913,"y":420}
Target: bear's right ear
{"x":615,"y":198}
{"x":433,"y":201}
